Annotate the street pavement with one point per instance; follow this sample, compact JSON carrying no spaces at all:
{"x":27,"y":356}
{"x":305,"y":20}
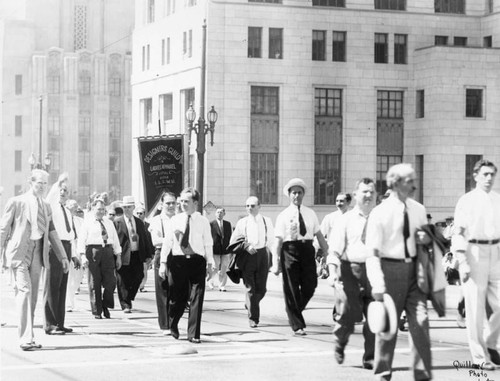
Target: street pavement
{"x":131,"y":347}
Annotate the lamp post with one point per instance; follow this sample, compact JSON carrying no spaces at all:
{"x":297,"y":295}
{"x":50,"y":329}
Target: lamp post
{"x":34,"y":163}
{"x":201,"y":127}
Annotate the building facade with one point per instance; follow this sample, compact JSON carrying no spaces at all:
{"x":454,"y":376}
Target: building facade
{"x":65,"y":80}
{"x":326,"y":90}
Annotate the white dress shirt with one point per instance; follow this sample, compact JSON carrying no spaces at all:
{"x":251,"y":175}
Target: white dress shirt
{"x":329,"y":221}
{"x":478,"y":214}
{"x":132,"y":229}
{"x":287,"y":224}
{"x":257,"y":233}
{"x":60,"y":223}
{"x":200,"y":237}
{"x":158,"y":226}
{"x":346,"y":237}
{"x":91,"y":234}
{"x":33,"y":216}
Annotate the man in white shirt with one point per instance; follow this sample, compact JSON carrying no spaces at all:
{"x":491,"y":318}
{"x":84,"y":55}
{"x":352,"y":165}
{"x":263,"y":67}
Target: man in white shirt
{"x":342,"y":202}
{"x":160,"y":224}
{"x":56,"y":281}
{"x":258,"y":234}
{"x":347,"y":256}
{"x":190,"y":241}
{"x":296,"y":227}
{"x":98,"y":244}
{"x":75,"y":275}
{"x":26,"y":228}
{"x":476,"y":244}
{"x":391,"y":268}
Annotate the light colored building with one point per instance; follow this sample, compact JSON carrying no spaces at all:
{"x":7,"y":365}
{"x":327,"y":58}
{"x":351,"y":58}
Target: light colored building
{"x":65,"y":83}
{"x":326,"y":90}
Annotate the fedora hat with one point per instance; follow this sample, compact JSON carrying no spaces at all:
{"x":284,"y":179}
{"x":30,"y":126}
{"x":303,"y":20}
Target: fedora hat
{"x":296,"y":182}
{"x":383,"y":318}
{"x":128,"y":200}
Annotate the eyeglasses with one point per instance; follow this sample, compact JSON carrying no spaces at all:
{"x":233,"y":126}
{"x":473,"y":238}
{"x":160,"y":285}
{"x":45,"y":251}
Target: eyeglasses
{"x":251,"y":206}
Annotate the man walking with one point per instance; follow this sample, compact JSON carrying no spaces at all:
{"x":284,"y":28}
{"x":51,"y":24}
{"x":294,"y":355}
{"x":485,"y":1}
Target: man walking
{"x":342,"y":202}
{"x":190,"y":240}
{"x":25,"y":231}
{"x":56,"y":280}
{"x":221,"y":234}
{"x":98,"y":245}
{"x":476,"y":244}
{"x":391,"y":268}
{"x":160,"y":224}
{"x":257,"y":235}
{"x":347,"y":256}
{"x":136,"y":249}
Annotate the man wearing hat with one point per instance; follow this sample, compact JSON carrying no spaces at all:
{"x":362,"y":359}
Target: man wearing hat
{"x":296,"y":227}
{"x":476,"y":243}
{"x":136,"y":249}
{"x":391,"y":269}
{"x":347,"y":257}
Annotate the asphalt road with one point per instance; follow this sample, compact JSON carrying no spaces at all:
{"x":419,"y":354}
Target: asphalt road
{"x":131,"y":347}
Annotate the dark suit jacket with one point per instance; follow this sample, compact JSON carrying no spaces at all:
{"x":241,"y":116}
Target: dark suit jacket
{"x":145,"y":245}
{"x":221,"y":242}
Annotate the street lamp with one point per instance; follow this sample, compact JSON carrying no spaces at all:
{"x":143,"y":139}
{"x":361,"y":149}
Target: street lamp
{"x":34,"y":163}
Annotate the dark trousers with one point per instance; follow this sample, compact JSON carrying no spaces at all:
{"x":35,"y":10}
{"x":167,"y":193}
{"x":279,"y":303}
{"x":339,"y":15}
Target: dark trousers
{"x":129,"y":278}
{"x":162,"y":292}
{"x":299,"y":279}
{"x":255,"y":269}
{"x":358,"y":292}
{"x":101,"y":276}
{"x":54,"y":292}
{"x":187,"y":282}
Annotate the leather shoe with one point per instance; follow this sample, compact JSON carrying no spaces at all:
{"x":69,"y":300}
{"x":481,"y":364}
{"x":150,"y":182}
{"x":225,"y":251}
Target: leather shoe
{"x":487,"y":366}
{"x":36,"y":345}
{"x":105,"y":311}
{"x":30,"y":346}
{"x":299,"y":332}
{"x":194,"y":340}
{"x":174,"y":331}
{"x":66,"y":330}
{"x":97,"y":317}
{"x":368,"y":364}
{"x":55,"y":331}
{"x":252,"y":324}
{"x":127,"y":310}
{"x":339,"y":354}
{"x":494,"y":356}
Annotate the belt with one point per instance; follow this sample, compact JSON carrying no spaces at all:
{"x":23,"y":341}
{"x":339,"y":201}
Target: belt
{"x":66,"y":240}
{"x":485,"y":241}
{"x":99,"y":246}
{"x":301,"y":241}
{"x":403,"y":260}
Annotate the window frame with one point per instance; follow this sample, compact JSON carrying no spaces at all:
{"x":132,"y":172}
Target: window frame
{"x":339,"y":47}
{"x":276,"y":43}
{"x":419,"y":104}
{"x":319,"y":45}
{"x":470,"y":107}
{"x":254,"y":48}
{"x":400,"y":49}
{"x":381,"y":48}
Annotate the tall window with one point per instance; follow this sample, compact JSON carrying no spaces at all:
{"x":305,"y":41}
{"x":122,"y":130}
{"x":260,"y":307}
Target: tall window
{"x":148,"y":57}
{"x":53,"y":84}
{"x":84,"y":127}
{"x":400,"y":49}
{"x":115,"y":149}
{"x":390,"y":127}
{"x":449,"y":6}
{"x":488,"y":42}
{"x":168,"y":50}
{"x":474,"y":103}
{"x":18,"y":161}
{"x":151,"y":11}
{"x":84,"y":82}
{"x":276,"y":43}
{"x":264,"y":143}
{"x":440,"y":40}
{"x":460,"y":41}
{"x":329,"y":3}
{"x":115,"y":84}
{"x":420,"y":104}
{"x":381,"y":48}
{"x":397,"y":5}
{"x":254,"y":42}
{"x":18,"y":83}
{"x":143,"y":58}
{"x":163,"y":51}
{"x":147,"y":115}
{"x":328,"y":144}
{"x":170,"y":7}
{"x":80,"y":27}
{"x":470,"y":161}
{"x":338,"y":46}
{"x":187,"y":43}
{"x":18,"y":125}
{"x":419,"y":171}
{"x":54,"y":131}
{"x":319,"y":45}
{"x":167,"y":102}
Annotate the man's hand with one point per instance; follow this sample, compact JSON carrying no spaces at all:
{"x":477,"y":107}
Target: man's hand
{"x":118,"y":262}
{"x":250,"y":249}
{"x":84,"y":261}
{"x":65,"y":265}
{"x":464,"y":275}
{"x":275,"y":269}
{"x":210,"y":267}
{"x":333,"y":278}
{"x":378,"y":296}
{"x":76,"y":263}
{"x":63,"y":177}
{"x":162,"y":271}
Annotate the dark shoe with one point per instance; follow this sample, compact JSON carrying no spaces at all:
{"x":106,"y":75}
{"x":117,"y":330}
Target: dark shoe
{"x":339,"y":354}
{"x":299,"y":332}
{"x":66,"y":330}
{"x":55,"y":331}
{"x":27,"y":347}
{"x":194,"y":340}
{"x":97,"y":317}
{"x":36,"y":345}
{"x":252,"y":324}
{"x":494,"y":356}
{"x":174,"y":331}
{"x":368,"y":364}
{"x":105,"y":311}
{"x":127,"y":310}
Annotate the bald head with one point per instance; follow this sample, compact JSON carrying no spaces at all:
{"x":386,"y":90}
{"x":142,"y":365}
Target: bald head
{"x":253,"y":205}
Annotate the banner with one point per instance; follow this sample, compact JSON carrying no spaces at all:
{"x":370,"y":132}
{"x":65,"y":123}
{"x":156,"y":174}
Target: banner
{"x":162,"y":166}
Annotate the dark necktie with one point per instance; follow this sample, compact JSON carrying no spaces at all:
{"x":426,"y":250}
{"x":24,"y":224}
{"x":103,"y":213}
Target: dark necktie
{"x":104,"y":232}
{"x":185,"y":237}
{"x":73,"y":224}
{"x":406,"y":231}
{"x":40,"y":219}
{"x":363,"y":234}
{"x":302,"y":224}
{"x":66,"y":221}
